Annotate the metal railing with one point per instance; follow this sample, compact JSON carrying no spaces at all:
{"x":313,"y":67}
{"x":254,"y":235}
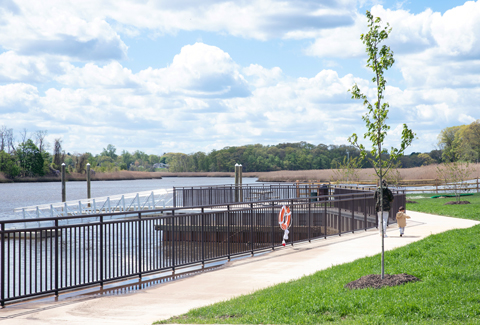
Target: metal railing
{"x":59,"y":255}
{"x":206,"y":195}
{"x":115,"y":203}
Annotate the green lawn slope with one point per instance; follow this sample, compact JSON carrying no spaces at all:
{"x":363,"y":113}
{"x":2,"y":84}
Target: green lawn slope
{"x":447,"y":264}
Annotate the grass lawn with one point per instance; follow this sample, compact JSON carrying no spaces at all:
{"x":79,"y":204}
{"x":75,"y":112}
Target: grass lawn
{"x":436,"y":206}
{"x":447,"y":264}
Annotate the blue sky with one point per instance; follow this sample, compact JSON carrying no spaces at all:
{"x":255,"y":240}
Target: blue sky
{"x":163,"y":76}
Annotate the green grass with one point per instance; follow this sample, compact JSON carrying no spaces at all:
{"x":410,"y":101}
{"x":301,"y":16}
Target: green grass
{"x":448,"y":265}
{"x":436,"y":206}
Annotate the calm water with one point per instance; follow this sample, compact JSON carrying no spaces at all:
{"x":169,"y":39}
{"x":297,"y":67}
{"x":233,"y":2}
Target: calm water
{"x":17,"y":195}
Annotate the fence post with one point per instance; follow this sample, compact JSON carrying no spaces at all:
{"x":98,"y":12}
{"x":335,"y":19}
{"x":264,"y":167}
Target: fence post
{"x":101,"y":250}
{"x":340,"y":217}
{"x":228,"y":232}
{"x":2,"y":284}
{"x":203,"y":237}
{"x":353,"y":214}
{"x":309,"y":219}
{"x":173,"y":241}
{"x":477,"y":184}
{"x":291,"y":220}
{"x":273,"y":231}
{"x":139,"y":235}
{"x":251,"y":227}
{"x":56,"y":257}
{"x":325,"y":217}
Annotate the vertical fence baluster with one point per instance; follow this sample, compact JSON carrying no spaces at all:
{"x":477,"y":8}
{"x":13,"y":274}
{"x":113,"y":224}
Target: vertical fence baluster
{"x":2,"y":266}
{"x":228,"y":232}
{"x":251,"y":227}
{"x":203,"y":237}
{"x":353,"y":214}
{"x":325,"y":218}
{"x":172,"y":235}
{"x":365,"y":210}
{"x":56,"y":257}
{"x":340,"y":216}
{"x":139,"y":229}
{"x":292,"y":227}
{"x":309,"y":220}
{"x":273,"y":230}
{"x":101,"y":251}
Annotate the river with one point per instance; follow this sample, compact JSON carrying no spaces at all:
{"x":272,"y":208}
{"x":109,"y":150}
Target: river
{"x":17,"y":195}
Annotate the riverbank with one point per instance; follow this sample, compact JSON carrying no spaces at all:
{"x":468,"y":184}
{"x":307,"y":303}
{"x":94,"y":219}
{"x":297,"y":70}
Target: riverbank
{"x":120,"y":176}
{"x":123,"y":175}
{"x":420,"y":174}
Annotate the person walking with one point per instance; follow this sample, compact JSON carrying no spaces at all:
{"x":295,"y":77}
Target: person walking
{"x":387,"y":199}
{"x":402,"y":220}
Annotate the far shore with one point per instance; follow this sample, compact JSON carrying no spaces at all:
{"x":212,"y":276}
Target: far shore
{"x":421,"y":174}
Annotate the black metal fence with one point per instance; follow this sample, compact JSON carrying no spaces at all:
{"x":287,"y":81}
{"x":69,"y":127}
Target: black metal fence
{"x":207,"y":195}
{"x":41,"y":260}
{"x":400,"y":200}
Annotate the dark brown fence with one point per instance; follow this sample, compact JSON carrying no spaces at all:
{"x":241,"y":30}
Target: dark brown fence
{"x":399,"y":200}
{"x":208,"y":195}
{"x":52,"y":255}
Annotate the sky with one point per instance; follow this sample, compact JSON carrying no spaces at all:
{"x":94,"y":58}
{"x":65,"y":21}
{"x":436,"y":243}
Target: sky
{"x":187,"y":76}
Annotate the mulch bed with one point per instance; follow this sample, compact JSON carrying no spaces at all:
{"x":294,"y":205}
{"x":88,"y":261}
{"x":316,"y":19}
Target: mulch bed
{"x":411,"y":202}
{"x":375,"y":281}
{"x":455,"y":202}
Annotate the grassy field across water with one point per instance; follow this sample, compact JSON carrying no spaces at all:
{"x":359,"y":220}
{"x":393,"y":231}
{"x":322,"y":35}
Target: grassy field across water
{"x":447,"y":264}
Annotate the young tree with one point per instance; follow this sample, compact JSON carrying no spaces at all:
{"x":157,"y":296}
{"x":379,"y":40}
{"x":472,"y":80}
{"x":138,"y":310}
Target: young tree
{"x":348,"y":170}
{"x":380,"y":59}
{"x":455,"y":174}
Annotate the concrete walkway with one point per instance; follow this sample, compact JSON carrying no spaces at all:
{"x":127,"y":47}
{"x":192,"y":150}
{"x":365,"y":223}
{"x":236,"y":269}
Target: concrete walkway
{"x":242,"y":276}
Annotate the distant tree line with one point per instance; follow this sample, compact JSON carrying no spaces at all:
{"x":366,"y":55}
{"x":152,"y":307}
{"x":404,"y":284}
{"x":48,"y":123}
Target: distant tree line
{"x":283,"y":156}
{"x":26,"y":154}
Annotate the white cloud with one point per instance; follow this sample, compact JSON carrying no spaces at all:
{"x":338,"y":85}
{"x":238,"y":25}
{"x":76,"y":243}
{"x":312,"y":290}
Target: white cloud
{"x":259,"y":19}
{"x":204,"y":100}
{"x":261,"y":77}
{"x":112,"y":75}
{"x":338,"y":42}
{"x":55,"y":28}
{"x":200,"y":70}
{"x":17,"y":68}
{"x":17,"y":98}
{"x":467,"y":119}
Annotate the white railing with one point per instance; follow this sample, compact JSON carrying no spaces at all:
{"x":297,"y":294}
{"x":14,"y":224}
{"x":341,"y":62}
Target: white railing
{"x":127,"y":203}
